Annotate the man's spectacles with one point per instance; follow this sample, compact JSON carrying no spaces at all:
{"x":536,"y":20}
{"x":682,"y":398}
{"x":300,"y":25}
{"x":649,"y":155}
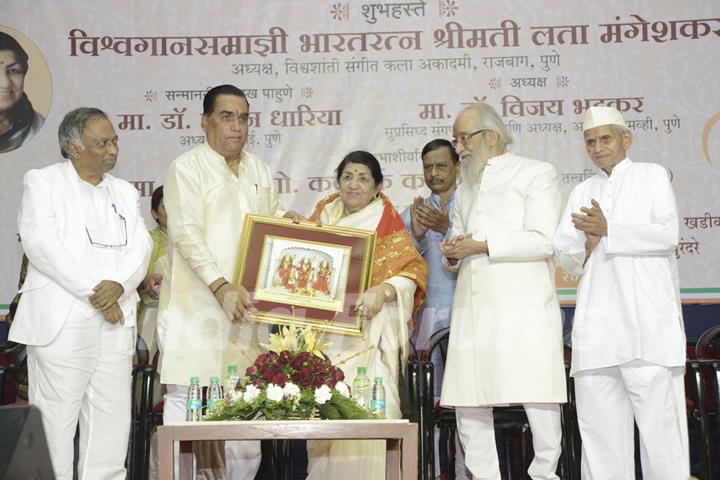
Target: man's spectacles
{"x":119,"y":241}
{"x":464,"y":137}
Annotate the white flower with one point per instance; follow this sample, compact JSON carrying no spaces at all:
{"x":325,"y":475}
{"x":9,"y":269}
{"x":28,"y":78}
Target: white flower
{"x":322,"y":394}
{"x":342,"y":389}
{"x":234,"y":395}
{"x":290,"y":390}
{"x":274,"y":392}
{"x":251,"y":393}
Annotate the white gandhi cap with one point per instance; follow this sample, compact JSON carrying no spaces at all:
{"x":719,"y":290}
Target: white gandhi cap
{"x":598,"y":116}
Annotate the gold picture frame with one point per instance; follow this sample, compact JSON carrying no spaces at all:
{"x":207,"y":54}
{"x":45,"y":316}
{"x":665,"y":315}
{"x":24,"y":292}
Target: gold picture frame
{"x":303,"y":273}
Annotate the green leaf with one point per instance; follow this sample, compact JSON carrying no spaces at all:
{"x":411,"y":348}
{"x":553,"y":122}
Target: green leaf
{"x":328,"y":411}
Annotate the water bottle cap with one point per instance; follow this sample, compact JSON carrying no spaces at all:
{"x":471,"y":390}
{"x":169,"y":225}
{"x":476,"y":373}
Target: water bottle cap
{"x":214,"y":380}
{"x":361,"y":370}
{"x":194,"y":380}
{"x":378,"y":379}
{"x":232,"y":368}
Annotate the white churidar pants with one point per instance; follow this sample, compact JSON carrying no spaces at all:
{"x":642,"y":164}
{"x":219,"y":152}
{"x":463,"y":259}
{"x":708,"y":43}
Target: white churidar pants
{"x":477,"y":434}
{"x":84,"y":375}
{"x":240,"y":460}
{"x":608,"y":399}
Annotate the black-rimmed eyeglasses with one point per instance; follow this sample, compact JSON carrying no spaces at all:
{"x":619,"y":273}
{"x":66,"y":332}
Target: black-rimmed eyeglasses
{"x":464,"y":137}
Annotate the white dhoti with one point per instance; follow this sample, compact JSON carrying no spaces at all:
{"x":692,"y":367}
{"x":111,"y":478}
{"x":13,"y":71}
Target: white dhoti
{"x":84,"y":375}
{"x":609,"y":399}
{"x":477,"y":434}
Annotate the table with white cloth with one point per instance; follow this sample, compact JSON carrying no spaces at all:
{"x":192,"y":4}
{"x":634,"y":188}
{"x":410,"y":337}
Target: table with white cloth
{"x":401,"y":437}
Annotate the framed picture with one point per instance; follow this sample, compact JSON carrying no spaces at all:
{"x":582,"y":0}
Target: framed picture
{"x":304,"y":273}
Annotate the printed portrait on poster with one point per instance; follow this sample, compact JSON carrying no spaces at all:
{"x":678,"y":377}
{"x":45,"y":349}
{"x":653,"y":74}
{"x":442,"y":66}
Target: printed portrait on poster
{"x":25,"y":90}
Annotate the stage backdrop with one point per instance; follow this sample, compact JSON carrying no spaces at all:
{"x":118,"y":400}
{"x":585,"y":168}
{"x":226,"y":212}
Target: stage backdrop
{"x":328,"y":77}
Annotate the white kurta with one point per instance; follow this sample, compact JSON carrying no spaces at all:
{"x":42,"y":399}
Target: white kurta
{"x":506,"y":334}
{"x":76,"y":234}
{"x":382,"y":346}
{"x":57,"y":215}
{"x":628,"y":300}
{"x":206,"y":206}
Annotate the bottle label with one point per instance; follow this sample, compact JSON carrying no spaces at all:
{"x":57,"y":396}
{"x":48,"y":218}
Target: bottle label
{"x":377,"y":405}
{"x":213,"y":402}
{"x":194,"y":405}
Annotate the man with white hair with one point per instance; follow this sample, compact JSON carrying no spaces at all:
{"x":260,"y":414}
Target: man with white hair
{"x":88,"y":250}
{"x":505,"y":342}
{"x":619,"y":232}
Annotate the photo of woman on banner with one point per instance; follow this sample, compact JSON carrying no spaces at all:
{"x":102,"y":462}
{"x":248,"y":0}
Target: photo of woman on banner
{"x":19,"y":121}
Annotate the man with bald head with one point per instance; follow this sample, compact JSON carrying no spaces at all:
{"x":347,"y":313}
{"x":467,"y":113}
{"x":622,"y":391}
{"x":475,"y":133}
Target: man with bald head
{"x":619,"y":233}
{"x":505,"y":343}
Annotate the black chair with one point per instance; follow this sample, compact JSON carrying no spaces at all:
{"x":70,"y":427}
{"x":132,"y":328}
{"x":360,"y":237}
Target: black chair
{"x":516,"y":452}
{"x":142,"y":417}
{"x":512,"y":421}
{"x":703,"y":393}
{"x":571,"y":444}
{"x":411,"y":403}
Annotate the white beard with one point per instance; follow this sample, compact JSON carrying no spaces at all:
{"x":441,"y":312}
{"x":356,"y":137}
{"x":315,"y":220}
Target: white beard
{"x":473,"y":165}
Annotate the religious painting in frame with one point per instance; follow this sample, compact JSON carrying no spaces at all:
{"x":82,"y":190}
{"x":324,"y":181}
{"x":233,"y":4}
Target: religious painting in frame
{"x":304,"y":273}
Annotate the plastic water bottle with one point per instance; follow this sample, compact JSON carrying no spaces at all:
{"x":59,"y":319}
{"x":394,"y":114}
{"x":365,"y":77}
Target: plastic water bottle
{"x":194,"y":400}
{"x":230,"y":380}
{"x":361,"y":387}
{"x":215,"y":396}
{"x":377,"y":404}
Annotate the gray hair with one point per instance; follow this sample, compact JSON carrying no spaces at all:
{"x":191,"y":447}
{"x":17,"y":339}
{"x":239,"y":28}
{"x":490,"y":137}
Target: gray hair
{"x":487,"y":119}
{"x":72,"y":127}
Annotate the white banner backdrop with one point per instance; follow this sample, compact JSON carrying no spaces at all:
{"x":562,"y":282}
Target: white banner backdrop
{"x":327,"y":77}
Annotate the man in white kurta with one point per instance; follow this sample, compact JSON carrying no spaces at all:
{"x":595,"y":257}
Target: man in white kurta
{"x":505,"y":342}
{"x":619,"y":233}
{"x":428,"y":220}
{"x":201,"y":327}
{"x":88,"y":249}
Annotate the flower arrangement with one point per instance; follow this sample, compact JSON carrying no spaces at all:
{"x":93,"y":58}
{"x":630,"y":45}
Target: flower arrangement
{"x":295,"y":379}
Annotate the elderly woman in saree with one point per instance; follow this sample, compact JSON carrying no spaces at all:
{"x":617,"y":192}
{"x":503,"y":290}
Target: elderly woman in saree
{"x":397,"y":288}
{"x":19,"y":122}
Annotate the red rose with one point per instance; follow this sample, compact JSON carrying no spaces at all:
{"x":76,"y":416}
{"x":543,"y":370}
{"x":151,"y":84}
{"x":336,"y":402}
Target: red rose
{"x":285,"y":357}
{"x":260,"y":359}
{"x":317,"y":382}
{"x":268,"y":374}
{"x":303,"y":356}
{"x":306,"y":377}
{"x":279,"y":379}
{"x":251,"y":370}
